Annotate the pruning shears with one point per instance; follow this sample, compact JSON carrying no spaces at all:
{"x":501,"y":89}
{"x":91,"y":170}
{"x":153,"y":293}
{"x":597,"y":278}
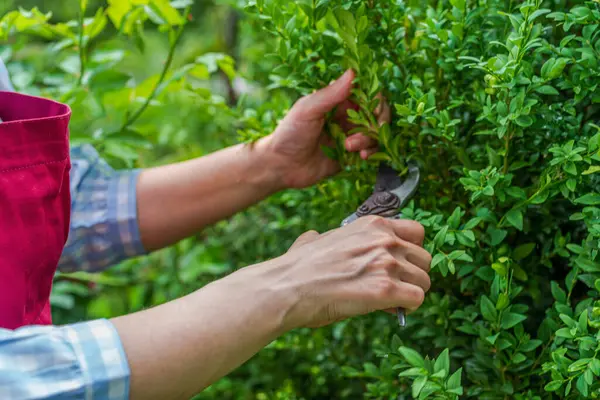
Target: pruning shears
{"x":390,"y":194}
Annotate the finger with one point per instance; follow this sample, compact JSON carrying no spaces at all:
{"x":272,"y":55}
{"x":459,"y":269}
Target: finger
{"x":341,"y":112}
{"x":408,"y":230}
{"x":317,"y":104}
{"x":417,"y":256}
{"x":404,"y":295}
{"x":358,"y":142}
{"x":410,"y":273}
{"x":365,"y":154}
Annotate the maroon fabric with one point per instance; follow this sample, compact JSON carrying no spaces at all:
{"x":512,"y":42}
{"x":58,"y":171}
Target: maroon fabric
{"x":34,"y":204}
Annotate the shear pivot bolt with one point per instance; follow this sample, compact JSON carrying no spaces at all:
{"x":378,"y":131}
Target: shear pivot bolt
{"x":385,"y":199}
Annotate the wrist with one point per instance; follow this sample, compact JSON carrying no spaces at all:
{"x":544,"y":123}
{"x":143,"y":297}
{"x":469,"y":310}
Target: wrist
{"x":267,"y":294}
{"x":271,"y":165}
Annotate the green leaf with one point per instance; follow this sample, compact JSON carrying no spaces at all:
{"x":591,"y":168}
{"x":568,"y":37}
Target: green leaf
{"x":592,"y":170}
{"x":523,"y":251}
{"x":488,"y":191}
{"x":518,"y":358}
{"x":570,"y":168}
{"x":587,"y":265}
{"x":515,"y":218}
{"x":590,"y":199}
{"x":443,"y":363}
{"x":524,"y":121}
{"x":531,"y":345}
{"x":418,"y":385}
{"x":502,"y":109}
{"x":412,"y":357}
{"x":547,"y":89}
{"x":488,"y":310}
{"x":564,"y":333}
{"x":553,"y":386}
{"x":415,"y":371}
{"x":454,"y":380}
{"x":497,"y":236}
{"x":595,"y":366}
{"x":509,"y":320}
{"x":454,"y":219}
{"x":583,"y":322}
{"x":555,"y":69}
{"x":558,"y":293}
{"x":440,"y":237}
{"x":503,"y":301}
{"x":589,"y":376}
{"x":582,"y":386}
{"x":438,"y":258}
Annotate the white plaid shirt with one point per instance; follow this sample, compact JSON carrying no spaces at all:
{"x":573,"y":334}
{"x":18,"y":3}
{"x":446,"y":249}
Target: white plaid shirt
{"x":84,"y":360}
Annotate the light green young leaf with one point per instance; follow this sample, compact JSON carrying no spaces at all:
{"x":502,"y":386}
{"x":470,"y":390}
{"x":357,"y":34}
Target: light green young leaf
{"x":412,"y":357}
{"x":442,"y":363}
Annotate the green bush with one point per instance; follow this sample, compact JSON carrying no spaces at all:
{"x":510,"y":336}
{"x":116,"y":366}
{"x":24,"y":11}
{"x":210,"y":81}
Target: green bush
{"x":498,"y":103}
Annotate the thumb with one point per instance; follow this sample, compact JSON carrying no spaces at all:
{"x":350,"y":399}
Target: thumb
{"x":322,"y":101}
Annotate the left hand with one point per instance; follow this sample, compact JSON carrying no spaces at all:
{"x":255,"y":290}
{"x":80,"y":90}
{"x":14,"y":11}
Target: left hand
{"x":294,"y":149}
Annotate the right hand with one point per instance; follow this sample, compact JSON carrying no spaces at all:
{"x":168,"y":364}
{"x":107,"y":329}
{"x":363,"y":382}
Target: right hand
{"x":371,"y":264}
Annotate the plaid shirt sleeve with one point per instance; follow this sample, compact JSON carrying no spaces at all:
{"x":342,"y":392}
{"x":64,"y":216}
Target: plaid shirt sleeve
{"x":104,"y":226}
{"x":80,"y":361}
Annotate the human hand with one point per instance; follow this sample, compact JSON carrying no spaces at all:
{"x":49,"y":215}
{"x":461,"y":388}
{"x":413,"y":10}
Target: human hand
{"x":294,"y":149}
{"x":369,"y":265}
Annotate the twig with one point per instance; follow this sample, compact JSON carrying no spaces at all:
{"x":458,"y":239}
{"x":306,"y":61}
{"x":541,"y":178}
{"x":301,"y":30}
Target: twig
{"x":130,"y":120}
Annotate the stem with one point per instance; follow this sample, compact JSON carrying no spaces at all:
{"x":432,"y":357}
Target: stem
{"x":81,"y":46}
{"x":130,"y":120}
{"x":506,"y":151}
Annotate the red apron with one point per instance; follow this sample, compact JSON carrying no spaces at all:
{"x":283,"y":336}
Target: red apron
{"x":34,"y":205}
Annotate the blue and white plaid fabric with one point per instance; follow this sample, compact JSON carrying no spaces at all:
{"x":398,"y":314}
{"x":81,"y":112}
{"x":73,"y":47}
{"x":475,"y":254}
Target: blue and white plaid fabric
{"x":104,"y":226}
{"x":85,"y":360}
{"x":81,"y":361}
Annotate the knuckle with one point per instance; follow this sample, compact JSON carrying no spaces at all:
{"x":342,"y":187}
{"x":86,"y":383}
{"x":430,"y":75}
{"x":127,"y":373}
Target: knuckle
{"x":385,"y":288}
{"x":383,"y":260}
{"x":375,"y":221}
{"x":388,"y":242}
{"x":390,"y":265}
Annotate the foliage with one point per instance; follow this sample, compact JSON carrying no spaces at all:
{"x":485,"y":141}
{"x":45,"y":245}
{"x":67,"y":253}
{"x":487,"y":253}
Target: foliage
{"x":498,"y":103}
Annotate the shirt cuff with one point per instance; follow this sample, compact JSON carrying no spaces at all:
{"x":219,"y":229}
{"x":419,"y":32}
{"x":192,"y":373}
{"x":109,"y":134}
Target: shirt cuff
{"x":122,"y":210}
{"x":101,"y":358}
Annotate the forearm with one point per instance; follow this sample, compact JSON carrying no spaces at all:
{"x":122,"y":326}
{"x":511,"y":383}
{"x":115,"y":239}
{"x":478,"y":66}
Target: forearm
{"x":177,"y":200}
{"x":177,"y":349}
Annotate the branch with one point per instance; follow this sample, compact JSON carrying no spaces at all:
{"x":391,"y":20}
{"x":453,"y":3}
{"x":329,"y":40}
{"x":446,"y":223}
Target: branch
{"x":133,"y":118}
